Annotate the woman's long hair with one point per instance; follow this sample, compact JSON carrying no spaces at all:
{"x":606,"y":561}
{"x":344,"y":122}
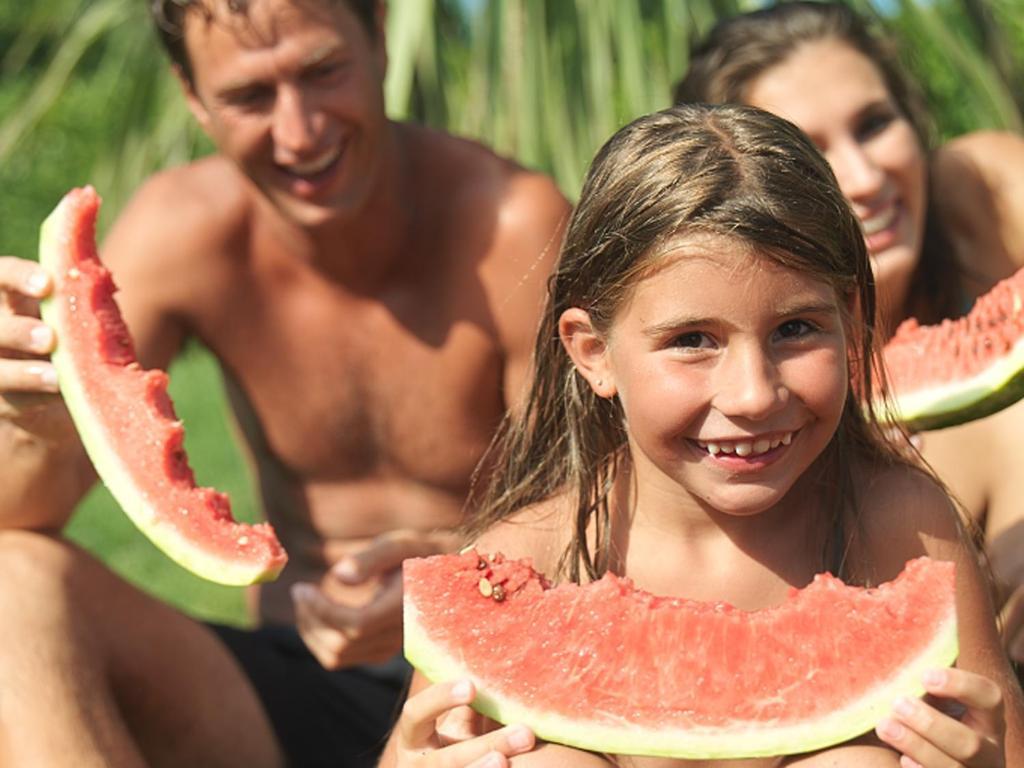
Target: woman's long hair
{"x":741,"y":48}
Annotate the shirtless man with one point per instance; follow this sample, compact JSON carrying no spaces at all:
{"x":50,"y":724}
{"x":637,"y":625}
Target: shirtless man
{"x":371,"y":290}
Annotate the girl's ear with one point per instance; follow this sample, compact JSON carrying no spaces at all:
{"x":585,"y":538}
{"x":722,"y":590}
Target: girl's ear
{"x":588,"y":350}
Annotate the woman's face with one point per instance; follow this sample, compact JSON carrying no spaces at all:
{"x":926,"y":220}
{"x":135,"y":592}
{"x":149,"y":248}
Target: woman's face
{"x":839,"y":98}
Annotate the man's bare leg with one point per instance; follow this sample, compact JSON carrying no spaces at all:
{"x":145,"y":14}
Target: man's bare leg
{"x":94,"y":671}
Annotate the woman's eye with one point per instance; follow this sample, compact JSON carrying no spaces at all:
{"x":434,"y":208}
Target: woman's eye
{"x":873,"y":124}
{"x":794,"y":329}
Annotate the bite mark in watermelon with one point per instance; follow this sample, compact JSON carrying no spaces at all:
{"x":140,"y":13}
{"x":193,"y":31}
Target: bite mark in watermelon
{"x":125,"y":417}
{"x":613,"y":669}
{"x":959,"y":370}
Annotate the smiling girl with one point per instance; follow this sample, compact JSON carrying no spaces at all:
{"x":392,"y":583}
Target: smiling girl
{"x":692,"y":425}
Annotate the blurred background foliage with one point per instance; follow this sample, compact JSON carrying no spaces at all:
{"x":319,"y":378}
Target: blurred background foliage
{"x":86,"y":96}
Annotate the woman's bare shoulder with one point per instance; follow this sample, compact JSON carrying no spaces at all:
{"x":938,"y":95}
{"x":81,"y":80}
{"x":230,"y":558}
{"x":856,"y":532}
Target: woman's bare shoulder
{"x":978,"y":181}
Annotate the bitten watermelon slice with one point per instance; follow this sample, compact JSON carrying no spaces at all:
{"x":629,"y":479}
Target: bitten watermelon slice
{"x":125,"y":417}
{"x":610,"y":668}
{"x":959,"y":370}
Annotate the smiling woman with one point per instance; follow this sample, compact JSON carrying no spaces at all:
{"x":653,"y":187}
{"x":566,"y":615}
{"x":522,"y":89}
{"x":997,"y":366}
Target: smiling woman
{"x":942,"y":225}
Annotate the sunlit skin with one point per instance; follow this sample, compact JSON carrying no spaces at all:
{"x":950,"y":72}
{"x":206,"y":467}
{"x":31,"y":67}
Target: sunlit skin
{"x":291,"y":94}
{"x":839,"y":98}
{"x":722,"y":353}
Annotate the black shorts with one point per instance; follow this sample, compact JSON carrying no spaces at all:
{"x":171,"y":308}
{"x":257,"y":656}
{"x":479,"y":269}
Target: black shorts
{"x":325,"y":718}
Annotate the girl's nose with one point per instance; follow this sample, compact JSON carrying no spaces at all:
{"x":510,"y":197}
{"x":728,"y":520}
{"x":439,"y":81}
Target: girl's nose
{"x":748,"y":385}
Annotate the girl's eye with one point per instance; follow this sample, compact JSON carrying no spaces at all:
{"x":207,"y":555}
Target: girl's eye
{"x":691,"y":340}
{"x":795,"y":329}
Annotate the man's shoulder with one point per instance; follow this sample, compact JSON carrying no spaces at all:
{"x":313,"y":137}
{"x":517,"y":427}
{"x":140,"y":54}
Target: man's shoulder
{"x":166,"y":243}
{"x":201,"y":202}
{"x":478,"y":180}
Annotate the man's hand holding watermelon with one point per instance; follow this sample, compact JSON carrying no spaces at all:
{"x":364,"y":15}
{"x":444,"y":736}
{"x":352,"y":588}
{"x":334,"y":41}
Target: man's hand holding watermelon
{"x":38,"y":484}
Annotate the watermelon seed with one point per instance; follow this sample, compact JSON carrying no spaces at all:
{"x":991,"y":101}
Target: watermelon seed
{"x":499,"y":593}
{"x":481,"y":564}
{"x":485,"y":588}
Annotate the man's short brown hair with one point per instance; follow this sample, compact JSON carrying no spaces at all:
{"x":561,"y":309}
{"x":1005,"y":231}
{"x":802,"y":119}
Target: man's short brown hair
{"x":169,"y":17}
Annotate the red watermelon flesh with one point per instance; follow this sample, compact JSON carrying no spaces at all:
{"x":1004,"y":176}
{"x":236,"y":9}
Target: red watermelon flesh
{"x":610,"y":668}
{"x":126,"y":419}
{"x":959,"y":370}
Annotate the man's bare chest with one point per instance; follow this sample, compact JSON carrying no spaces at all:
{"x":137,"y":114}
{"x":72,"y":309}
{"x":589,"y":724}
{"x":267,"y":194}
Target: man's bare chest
{"x":350,"y":387}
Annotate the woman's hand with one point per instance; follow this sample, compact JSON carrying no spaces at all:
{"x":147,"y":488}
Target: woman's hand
{"x":438,"y":730}
{"x":962,"y":726}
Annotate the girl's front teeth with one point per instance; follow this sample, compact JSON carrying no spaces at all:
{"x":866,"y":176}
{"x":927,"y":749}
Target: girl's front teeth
{"x":745,"y":448}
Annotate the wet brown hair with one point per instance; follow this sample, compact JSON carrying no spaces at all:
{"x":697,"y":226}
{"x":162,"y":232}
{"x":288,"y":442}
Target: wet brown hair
{"x":739,"y":49}
{"x":169,"y":18}
{"x":726,"y":170}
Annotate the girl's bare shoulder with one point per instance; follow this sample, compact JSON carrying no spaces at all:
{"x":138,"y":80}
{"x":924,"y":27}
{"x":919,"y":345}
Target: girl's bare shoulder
{"x":539,"y":532}
{"x":905,"y":513}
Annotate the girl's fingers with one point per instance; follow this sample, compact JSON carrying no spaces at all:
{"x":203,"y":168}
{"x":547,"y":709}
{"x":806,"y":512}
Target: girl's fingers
{"x":490,"y":760}
{"x":505,"y":742}
{"x":982,"y":698}
{"x":417,"y":725}
{"x":933,"y":739}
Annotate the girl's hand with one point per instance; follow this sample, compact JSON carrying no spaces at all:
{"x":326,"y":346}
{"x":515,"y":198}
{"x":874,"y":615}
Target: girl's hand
{"x":937,"y":735}
{"x":420,"y":744}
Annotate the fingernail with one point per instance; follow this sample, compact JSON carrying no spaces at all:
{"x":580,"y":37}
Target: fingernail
{"x":37,"y":283}
{"x":462,"y":690}
{"x":42,"y":338}
{"x":46,"y":373}
{"x":903,"y":706}
{"x":520,"y":737}
{"x":934,"y":678}
{"x":890,"y":729}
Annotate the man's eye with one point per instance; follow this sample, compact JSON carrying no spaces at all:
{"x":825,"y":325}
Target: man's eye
{"x":249,"y":97}
{"x":325,"y":71}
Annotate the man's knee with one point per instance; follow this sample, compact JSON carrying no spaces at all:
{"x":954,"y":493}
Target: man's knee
{"x":41,"y":573}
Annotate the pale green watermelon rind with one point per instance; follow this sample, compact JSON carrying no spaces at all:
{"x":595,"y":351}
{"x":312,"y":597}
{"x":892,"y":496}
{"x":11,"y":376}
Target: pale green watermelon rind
{"x":116,"y":476}
{"x":856,"y":718}
{"x":998,"y":386}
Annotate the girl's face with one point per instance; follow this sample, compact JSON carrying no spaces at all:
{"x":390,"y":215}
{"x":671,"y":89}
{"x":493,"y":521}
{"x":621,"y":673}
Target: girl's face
{"x":730,"y":370}
{"x":839,"y":98}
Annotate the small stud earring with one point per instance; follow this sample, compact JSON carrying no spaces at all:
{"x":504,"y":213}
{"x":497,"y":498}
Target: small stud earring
{"x":600,"y":382}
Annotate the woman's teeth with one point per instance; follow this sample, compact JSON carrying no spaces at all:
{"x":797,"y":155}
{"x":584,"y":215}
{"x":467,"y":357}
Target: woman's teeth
{"x":877,"y":223}
{"x":744,"y":448}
